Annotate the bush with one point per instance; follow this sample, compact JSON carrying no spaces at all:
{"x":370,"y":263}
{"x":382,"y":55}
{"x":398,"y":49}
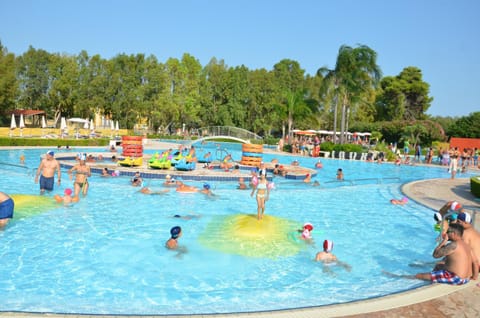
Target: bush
{"x":475,"y":186}
{"x":34,"y":142}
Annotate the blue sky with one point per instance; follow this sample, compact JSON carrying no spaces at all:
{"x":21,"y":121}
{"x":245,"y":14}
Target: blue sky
{"x":441,"y":37}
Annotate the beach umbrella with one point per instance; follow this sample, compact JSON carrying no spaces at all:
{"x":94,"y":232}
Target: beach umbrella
{"x":63,"y":123}
{"x":44,"y":125}
{"x":21,"y":125}
{"x":13,"y":125}
{"x":63,"y":126}
{"x":112,"y":128}
{"x":92,"y":126}
{"x":116,"y":126}
{"x":22,"y":122}
{"x":85,"y":125}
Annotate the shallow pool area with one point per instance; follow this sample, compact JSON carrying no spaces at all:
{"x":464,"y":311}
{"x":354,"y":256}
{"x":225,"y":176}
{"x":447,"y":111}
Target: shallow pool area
{"x":108,"y":250}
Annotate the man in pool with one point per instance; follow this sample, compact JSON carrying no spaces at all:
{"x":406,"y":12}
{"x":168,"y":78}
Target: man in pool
{"x":459,"y":264}
{"x":328,"y":258}
{"x":147,"y":190}
{"x":175,"y":233}
{"x":188,"y":216}
{"x":136,"y":179}
{"x":46,"y":172}
{"x":340,"y":174}
{"x":207,"y":189}
{"x":241,"y":184}
{"x":470,"y":235}
{"x":6,"y":209}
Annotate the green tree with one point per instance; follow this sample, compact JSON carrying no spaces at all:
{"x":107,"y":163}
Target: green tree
{"x":212,"y":92}
{"x":390,"y":100}
{"x":355,"y":74}
{"x":8,"y":83}
{"x":262,"y":112}
{"x":466,"y":126}
{"x":404,"y":96}
{"x":64,"y":75}
{"x":33,"y":74}
{"x":289,"y":81}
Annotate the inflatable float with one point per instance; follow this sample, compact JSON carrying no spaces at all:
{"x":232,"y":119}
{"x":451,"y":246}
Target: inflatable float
{"x":27,"y":205}
{"x":183,"y":165}
{"x":243,"y":234}
{"x":130,"y":162}
{"x":252,"y":154}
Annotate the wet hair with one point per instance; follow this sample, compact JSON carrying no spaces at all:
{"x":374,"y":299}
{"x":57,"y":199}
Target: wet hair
{"x":457,"y":228}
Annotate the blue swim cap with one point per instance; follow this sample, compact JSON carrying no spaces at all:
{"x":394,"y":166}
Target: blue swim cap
{"x":175,"y":231}
{"x":452,"y":217}
{"x":176,"y":216}
{"x":206,"y":186}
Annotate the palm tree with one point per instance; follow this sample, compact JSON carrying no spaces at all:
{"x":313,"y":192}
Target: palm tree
{"x":292,"y":108}
{"x":356,"y":71}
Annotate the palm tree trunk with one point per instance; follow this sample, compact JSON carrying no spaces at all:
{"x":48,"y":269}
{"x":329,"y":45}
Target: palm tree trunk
{"x":346,"y":123}
{"x":335,"y":120}
{"x":342,"y":124}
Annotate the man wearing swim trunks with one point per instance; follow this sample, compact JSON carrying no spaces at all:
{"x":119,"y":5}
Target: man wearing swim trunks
{"x":47,"y":169}
{"x":459,"y":265}
{"x":470,"y":235}
{"x":6,"y":209}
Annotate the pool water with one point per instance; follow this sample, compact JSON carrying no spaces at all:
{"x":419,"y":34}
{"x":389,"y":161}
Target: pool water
{"x":106,"y":254}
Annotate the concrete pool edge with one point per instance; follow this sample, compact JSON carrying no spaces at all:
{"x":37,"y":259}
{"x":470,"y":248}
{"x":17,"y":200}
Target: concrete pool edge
{"x":389,"y":302}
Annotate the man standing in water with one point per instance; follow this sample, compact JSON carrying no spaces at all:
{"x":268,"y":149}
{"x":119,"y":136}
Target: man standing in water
{"x":47,"y":168}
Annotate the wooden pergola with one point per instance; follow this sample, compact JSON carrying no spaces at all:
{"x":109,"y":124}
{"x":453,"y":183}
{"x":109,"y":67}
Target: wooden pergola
{"x":35,"y":114}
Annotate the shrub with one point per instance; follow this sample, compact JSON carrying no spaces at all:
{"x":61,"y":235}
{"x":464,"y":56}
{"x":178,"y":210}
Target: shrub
{"x":475,"y":186}
{"x":32,"y":142}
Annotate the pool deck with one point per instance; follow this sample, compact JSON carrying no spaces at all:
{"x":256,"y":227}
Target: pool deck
{"x":437,"y":300}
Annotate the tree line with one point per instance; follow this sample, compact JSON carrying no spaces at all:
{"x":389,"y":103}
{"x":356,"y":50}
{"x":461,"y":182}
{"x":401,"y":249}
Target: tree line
{"x":132,"y":89}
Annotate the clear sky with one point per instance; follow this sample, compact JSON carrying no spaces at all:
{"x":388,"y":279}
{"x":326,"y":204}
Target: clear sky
{"x":441,"y":37}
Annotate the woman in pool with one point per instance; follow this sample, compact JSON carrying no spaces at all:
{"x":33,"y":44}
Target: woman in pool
{"x":82,"y":172}
{"x":105,"y":172}
{"x":262,"y":195}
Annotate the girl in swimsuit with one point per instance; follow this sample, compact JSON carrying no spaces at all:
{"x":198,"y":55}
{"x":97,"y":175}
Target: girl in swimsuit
{"x":262,"y":195}
{"x":82,"y":172}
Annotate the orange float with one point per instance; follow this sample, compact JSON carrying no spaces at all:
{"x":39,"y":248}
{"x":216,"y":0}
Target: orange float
{"x":252,"y":154}
{"x":132,"y":146}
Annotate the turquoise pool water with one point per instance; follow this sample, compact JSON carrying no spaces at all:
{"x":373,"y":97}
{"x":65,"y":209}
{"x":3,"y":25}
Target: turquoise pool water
{"x":106,"y":254}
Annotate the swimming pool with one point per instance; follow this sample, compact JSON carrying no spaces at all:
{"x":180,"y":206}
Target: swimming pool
{"x":106,"y":254}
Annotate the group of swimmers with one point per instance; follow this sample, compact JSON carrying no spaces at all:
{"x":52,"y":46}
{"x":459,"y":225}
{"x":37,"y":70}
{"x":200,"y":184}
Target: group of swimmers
{"x":45,"y":176}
